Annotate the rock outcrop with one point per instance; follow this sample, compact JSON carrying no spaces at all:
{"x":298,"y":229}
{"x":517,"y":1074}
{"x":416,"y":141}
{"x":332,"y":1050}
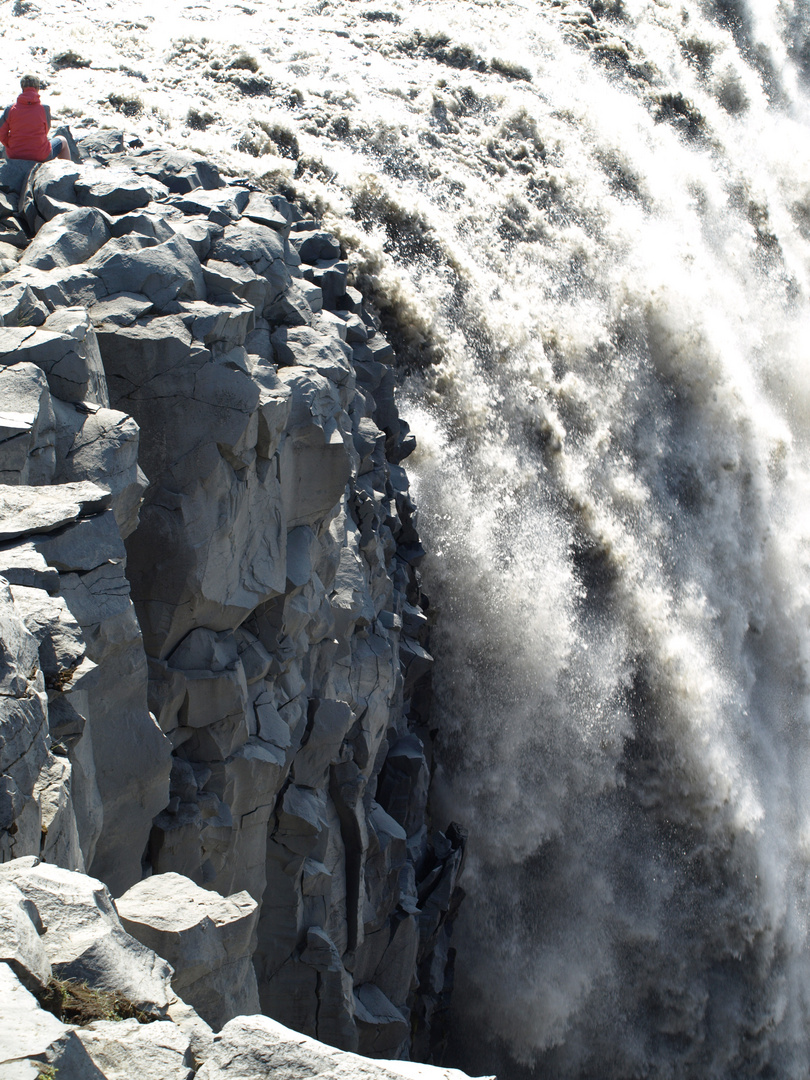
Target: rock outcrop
{"x":84,"y":1000}
{"x":214,"y":669}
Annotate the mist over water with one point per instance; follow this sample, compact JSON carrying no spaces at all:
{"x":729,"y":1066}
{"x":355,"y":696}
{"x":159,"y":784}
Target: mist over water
{"x":588,"y":231}
{"x":612,"y":473}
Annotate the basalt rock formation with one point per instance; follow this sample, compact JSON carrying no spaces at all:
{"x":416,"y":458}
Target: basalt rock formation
{"x":214,"y":669}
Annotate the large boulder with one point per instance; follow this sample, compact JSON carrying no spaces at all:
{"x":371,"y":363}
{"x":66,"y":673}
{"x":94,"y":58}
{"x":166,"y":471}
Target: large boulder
{"x":83,"y":936}
{"x":207,"y":938}
{"x":124,"y":1049}
{"x":256,"y":1047}
{"x":68,"y":239}
{"x":66,"y":350}
{"x":178,"y":170}
{"x":27,"y":435}
{"x":163,"y":272}
{"x":33,"y":1043}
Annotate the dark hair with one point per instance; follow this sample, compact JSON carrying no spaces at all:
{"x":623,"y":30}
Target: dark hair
{"x":29,"y":80}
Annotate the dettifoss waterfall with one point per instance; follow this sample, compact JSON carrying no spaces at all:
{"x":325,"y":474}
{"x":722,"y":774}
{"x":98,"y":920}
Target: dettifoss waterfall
{"x":600,"y":224}
{"x":588,"y":230}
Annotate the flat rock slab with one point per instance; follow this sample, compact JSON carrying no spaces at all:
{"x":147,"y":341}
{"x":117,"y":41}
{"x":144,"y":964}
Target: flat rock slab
{"x":262,"y":211}
{"x":208,"y":939}
{"x":256,"y":1047}
{"x":20,"y":944}
{"x":118,"y":191}
{"x":22,"y":564}
{"x":27,"y":510}
{"x":189,"y":926}
{"x":125,"y":1049}
{"x":222,"y":205}
{"x":179,"y":171}
{"x":84,"y":938}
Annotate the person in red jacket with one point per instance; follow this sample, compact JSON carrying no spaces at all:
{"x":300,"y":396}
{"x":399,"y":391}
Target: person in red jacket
{"x":24,"y":127}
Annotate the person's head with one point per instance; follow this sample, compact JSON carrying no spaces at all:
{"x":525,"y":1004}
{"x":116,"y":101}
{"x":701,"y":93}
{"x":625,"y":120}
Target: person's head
{"x":29,"y":81}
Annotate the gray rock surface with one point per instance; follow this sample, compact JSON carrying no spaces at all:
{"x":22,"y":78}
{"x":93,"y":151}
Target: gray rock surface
{"x":216,"y":665}
{"x":20,"y":945}
{"x":208,"y":939}
{"x":84,"y":939}
{"x":32,"y":1039}
{"x":27,"y":426}
{"x":254,"y":1047}
{"x":123,"y":1049}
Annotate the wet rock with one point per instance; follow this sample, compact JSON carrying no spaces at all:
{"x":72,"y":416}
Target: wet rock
{"x":331,"y":276}
{"x":315,"y":246}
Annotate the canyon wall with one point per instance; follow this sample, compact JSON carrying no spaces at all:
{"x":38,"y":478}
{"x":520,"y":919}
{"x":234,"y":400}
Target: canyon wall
{"x":213,"y":632}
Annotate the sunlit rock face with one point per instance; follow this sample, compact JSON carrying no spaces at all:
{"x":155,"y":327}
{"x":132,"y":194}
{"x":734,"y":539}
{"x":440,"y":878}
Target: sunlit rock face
{"x":85,"y":998}
{"x":211,"y":597}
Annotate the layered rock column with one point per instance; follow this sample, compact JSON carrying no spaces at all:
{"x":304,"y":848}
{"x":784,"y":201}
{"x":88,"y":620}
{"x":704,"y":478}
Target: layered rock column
{"x":196,"y":344}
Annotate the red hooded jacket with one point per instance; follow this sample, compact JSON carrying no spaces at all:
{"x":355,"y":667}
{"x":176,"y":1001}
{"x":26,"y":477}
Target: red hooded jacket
{"x":24,"y":130}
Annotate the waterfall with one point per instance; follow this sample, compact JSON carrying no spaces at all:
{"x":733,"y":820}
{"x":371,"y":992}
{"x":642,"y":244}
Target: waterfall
{"x":587,"y":228}
{"x":607,"y":268}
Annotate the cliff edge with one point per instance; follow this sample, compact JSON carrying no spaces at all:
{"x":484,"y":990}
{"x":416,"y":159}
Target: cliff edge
{"x":213,"y":638}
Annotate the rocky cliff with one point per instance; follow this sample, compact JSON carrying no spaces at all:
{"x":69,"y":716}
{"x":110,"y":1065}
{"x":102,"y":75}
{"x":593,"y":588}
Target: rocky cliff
{"x":213,"y":635}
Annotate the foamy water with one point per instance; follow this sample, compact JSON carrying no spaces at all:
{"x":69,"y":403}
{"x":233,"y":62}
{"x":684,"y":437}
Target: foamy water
{"x":589,"y":232}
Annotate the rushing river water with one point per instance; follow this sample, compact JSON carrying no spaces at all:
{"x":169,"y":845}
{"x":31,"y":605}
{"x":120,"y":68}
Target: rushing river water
{"x":589,"y":229}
